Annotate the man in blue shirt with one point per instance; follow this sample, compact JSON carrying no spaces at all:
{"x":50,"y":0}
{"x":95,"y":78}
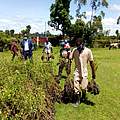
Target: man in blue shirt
{"x":26,"y":45}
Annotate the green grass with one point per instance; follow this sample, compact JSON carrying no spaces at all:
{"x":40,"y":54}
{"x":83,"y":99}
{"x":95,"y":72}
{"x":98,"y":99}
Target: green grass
{"x":108,"y":101}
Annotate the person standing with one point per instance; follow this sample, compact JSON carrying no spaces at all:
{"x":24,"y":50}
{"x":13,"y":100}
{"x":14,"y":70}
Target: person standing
{"x":64,"y":61}
{"x":82,"y":56}
{"x":48,"y":49}
{"x":14,"y":48}
{"x":26,"y":45}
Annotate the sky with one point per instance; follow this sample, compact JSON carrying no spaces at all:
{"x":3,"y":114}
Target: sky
{"x":17,"y":14}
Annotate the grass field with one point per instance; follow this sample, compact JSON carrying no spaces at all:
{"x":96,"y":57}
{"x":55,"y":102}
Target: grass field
{"x":107,"y":103}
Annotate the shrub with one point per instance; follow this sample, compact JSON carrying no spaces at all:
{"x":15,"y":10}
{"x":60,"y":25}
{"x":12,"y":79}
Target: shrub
{"x":24,"y":91}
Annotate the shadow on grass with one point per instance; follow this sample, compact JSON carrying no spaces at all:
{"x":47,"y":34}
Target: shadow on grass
{"x":87,"y":102}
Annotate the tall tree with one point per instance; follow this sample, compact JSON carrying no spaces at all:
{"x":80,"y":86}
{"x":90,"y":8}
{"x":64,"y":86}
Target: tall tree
{"x":12,"y":32}
{"x":95,"y":4}
{"x":59,"y":15}
{"x":117,"y":33}
{"x":23,"y":32}
{"x":7,"y":32}
{"x":79,"y":4}
{"x":28,"y":28}
{"x":95,"y":24}
{"x":77,"y":29}
{"x":107,"y":32}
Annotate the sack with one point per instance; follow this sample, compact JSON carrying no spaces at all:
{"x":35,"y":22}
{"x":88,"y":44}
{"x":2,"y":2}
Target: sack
{"x":67,"y":95}
{"x":93,"y":88}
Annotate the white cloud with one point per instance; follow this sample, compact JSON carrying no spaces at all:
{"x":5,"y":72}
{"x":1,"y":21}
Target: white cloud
{"x":110,"y":24}
{"x":88,"y":13}
{"x":109,"y":21}
{"x":115,"y":7}
{"x":5,"y":21}
{"x":20,"y":22}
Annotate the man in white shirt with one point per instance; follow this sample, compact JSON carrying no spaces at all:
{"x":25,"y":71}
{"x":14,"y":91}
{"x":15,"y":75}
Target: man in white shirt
{"x":82,"y":55}
{"x":26,"y":45}
{"x":48,"y":49}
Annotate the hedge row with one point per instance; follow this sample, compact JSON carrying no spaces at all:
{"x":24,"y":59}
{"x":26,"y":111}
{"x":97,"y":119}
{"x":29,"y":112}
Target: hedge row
{"x":27,"y":91}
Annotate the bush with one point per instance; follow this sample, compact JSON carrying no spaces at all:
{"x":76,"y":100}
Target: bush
{"x":24,"y":91}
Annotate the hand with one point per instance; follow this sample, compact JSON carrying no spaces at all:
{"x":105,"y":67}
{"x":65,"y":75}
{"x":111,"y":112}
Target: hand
{"x":93,"y":76}
{"x":93,"y":81}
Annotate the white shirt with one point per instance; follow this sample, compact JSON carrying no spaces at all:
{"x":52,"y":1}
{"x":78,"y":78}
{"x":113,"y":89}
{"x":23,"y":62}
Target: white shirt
{"x":26,"y":45}
{"x":48,"y":46}
{"x":85,"y":56}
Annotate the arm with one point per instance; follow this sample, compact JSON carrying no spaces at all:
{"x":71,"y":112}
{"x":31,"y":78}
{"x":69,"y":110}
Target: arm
{"x":43,"y":49}
{"x":21,"y":44}
{"x":11,"y":48}
{"x":51,"y":49}
{"x":92,"y":65}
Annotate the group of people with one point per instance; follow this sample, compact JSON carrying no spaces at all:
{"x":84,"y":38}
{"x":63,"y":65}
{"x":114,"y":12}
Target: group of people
{"x":81,"y":55}
{"x":25,"y":48}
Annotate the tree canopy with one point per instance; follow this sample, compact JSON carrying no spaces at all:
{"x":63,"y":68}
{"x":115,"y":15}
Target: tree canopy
{"x":59,"y":15}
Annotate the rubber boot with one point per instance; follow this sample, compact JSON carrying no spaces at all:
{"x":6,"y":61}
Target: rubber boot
{"x":83,"y":98}
{"x":76,"y":100}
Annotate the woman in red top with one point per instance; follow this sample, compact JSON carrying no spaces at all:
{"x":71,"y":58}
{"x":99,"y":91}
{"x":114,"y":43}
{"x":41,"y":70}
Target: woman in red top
{"x":14,"y":49}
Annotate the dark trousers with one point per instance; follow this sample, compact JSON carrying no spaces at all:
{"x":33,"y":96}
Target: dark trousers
{"x":14,"y":54}
{"x":27,"y":54}
{"x":67,"y":66}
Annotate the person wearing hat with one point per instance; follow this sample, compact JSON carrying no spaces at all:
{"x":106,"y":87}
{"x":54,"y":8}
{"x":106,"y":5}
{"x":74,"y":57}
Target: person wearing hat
{"x":82,"y":56}
{"x":26,"y":45}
